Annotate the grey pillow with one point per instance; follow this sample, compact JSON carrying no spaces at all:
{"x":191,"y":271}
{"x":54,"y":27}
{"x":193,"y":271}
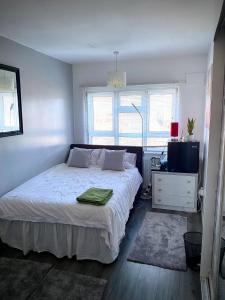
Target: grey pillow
{"x":113,"y":160}
{"x":79,"y":158}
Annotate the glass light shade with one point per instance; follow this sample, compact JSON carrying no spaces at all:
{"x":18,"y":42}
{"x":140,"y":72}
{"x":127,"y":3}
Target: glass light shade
{"x":117,"y":80}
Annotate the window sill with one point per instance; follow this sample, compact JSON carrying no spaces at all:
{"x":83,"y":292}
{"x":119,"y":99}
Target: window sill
{"x":155,"y":150}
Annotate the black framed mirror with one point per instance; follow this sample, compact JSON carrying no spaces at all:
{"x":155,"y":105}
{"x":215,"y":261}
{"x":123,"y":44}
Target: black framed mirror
{"x":11,"y":122}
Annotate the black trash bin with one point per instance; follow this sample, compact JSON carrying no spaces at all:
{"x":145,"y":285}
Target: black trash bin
{"x":193,"y":248}
{"x":222,"y":251}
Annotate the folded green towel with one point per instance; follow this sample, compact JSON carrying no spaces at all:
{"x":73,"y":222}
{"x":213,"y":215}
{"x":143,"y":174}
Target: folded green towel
{"x":95,"y":196}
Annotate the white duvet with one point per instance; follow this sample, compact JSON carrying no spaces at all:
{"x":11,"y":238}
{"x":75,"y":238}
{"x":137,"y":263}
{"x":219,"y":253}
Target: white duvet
{"x":51,"y":197}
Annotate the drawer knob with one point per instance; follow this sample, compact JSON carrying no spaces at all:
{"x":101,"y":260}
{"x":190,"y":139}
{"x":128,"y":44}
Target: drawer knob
{"x":159,"y":190}
{"x":159,"y":200}
{"x":189,"y":181}
{"x":159,"y":179}
{"x":188,"y":192}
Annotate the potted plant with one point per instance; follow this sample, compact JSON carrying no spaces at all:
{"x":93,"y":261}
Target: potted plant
{"x":190,"y":128}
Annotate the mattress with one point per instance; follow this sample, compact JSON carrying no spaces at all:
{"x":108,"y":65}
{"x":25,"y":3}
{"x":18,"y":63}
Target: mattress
{"x":51,"y":198}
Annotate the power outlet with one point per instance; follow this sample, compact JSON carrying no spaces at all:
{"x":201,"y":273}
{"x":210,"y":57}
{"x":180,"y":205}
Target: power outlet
{"x":201,"y":192}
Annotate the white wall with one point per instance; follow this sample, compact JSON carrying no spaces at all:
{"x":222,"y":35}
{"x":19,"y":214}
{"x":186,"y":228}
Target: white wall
{"x":47,"y":104}
{"x":189,"y":71}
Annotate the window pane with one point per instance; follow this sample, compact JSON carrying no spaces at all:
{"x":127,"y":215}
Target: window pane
{"x":160,"y":115}
{"x":9,"y":120}
{"x":129,"y":123}
{"x":102,"y":140}
{"x":157,"y":142}
{"x":127,"y":141}
{"x":127,"y":100}
{"x":102,"y":111}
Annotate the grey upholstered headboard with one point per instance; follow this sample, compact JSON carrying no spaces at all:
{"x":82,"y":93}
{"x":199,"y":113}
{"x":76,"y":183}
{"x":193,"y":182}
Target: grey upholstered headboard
{"x":132,"y":149}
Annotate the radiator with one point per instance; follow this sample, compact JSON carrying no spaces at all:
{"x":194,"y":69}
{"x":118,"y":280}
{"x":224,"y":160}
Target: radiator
{"x":147,"y":168}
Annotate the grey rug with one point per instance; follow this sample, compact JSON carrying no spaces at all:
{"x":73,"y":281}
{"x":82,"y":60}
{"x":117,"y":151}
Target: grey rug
{"x":23,"y":279}
{"x":160,"y":241}
{"x":19,"y":278}
{"x":60,"y":285}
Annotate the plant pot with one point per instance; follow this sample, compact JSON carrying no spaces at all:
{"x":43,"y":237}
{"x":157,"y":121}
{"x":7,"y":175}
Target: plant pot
{"x":190,"y":137}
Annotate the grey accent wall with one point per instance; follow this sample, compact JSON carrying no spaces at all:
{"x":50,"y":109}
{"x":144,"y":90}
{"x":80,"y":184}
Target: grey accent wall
{"x":47,"y":105}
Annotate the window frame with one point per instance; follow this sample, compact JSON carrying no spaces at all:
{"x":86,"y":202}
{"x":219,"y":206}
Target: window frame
{"x":91,"y":131}
{"x":18,"y":130}
{"x":145,"y":91}
{"x":130,"y":109}
{"x":160,"y":134}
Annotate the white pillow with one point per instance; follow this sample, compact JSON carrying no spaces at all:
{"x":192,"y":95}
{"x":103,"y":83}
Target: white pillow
{"x":130,"y":160}
{"x":79,"y":158}
{"x":113,"y":160}
{"x":95,"y":154}
{"x":128,"y":165}
{"x":101,"y":158}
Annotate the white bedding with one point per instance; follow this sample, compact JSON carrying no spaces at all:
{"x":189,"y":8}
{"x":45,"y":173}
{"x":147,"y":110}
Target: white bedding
{"x":51,"y":198}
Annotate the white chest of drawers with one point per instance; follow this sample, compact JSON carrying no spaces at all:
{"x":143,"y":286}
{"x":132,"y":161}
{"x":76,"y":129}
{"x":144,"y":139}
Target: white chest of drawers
{"x":174,"y":191}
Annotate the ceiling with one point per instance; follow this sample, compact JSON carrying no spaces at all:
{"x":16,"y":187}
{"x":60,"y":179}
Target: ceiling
{"x":90,"y":30}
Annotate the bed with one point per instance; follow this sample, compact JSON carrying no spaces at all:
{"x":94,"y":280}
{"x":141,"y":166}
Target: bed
{"x":43,"y":215}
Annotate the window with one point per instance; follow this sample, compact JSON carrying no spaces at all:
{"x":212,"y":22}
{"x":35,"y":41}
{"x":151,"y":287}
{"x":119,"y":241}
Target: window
{"x":9,"y":120}
{"x":112,"y":118}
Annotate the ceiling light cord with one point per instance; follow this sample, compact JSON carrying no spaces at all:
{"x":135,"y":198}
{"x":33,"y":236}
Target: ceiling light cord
{"x":116,"y":53}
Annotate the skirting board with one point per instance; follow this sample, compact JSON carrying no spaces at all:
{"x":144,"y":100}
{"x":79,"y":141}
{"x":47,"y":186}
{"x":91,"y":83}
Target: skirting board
{"x":176,"y":208}
{"x":205,"y":288}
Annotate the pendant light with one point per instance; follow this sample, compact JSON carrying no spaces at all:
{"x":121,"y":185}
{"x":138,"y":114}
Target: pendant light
{"x":116,"y":79}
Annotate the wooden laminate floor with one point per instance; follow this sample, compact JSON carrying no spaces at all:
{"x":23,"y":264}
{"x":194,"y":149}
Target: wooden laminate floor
{"x":129,"y":280}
